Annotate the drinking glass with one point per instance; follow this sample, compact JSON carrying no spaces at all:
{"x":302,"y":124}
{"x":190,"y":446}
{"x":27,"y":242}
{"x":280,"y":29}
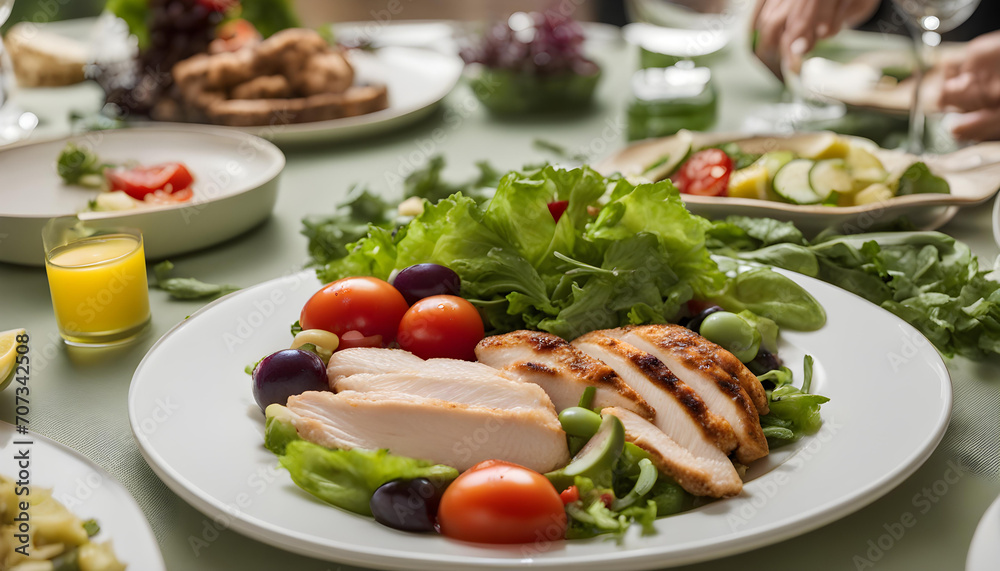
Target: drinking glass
{"x":927,"y":20}
{"x":97,"y":278}
{"x":14,"y":123}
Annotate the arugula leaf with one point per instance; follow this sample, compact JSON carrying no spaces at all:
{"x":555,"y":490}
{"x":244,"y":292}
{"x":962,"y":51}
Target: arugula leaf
{"x":928,"y":279}
{"x":186,"y":288}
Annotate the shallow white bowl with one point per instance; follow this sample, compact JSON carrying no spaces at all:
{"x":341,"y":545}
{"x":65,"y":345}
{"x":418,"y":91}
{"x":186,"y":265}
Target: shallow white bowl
{"x":973,"y":174}
{"x":235,"y":188}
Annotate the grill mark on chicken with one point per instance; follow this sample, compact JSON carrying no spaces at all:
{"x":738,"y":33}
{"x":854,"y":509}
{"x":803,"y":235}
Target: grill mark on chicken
{"x":715,"y":428}
{"x":561,"y":369}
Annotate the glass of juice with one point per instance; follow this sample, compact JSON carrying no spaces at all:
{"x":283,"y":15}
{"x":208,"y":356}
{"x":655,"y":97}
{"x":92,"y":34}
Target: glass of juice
{"x":97,"y":278}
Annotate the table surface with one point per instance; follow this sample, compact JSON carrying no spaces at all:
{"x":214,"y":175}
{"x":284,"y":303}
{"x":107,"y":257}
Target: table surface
{"x":79,"y":396}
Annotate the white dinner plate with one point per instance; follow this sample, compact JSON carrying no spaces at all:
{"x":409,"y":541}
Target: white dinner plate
{"x":210,"y":452}
{"x":973,"y":173}
{"x":89,"y":492}
{"x":235,"y":188}
{"x":984,"y":552}
{"x":417,"y":80}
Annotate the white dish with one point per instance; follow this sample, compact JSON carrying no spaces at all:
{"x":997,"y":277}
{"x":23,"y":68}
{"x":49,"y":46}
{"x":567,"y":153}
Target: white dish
{"x":417,"y":80}
{"x":235,"y":188}
{"x":89,"y":492}
{"x":984,"y":552}
{"x":199,"y":366}
{"x":972,"y":172}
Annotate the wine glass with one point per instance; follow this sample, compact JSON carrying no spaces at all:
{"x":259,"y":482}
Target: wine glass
{"x":14,"y":123}
{"x":927,"y":20}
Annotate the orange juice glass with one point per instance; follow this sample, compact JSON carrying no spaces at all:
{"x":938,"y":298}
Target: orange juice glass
{"x":97,"y":278}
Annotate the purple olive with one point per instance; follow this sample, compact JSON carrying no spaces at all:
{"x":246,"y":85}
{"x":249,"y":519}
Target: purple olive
{"x":408,"y":505}
{"x":286,"y":373}
{"x":695,"y":323}
{"x":424,"y":280}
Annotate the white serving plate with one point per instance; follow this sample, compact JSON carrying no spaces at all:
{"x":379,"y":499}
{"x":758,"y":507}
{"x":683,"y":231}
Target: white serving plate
{"x":417,"y":80}
{"x":984,"y":552}
{"x":972,"y":172}
{"x":89,"y":492}
{"x":235,"y":188}
{"x":199,"y":365}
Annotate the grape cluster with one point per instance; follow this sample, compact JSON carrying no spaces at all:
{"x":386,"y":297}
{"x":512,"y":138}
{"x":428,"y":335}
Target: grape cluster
{"x":535,"y":43}
{"x":178,"y":29}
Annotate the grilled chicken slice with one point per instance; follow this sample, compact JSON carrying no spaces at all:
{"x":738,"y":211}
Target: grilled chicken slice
{"x":494,"y":391}
{"x":560,"y":369}
{"x":680,"y":412}
{"x":443,"y":432}
{"x":708,"y":369}
{"x":711,"y":475}
{"x":375,"y":360}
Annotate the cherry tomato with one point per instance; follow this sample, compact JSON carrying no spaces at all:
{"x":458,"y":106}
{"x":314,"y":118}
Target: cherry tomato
{"x":706,"y":173}
{"x":569,"y":495}
{"x":356,"y":339}
{"x":369,"y":306}
{"x":501,"y":502}
{"x":441,"y":326}
{"x":557,"y":209}
{"x":137,"y":182}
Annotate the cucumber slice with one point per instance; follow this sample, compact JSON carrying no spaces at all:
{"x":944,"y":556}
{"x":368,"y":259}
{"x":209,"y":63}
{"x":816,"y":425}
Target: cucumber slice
{"x":774,"y":160}
{"x":829,"y":176}
{"x":601,"y":451}
{"x":791,"y":183}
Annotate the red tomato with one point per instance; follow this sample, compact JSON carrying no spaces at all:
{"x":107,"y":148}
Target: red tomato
{"x":569,"y":495}
{"x":705,"y":172}
{"x":557,"y":209}
{"x":501,"y":502}
{"x":369,"y":306}
{"x":441,"y":326}
{"x":137,"y":182}
{"x":353,"y":339}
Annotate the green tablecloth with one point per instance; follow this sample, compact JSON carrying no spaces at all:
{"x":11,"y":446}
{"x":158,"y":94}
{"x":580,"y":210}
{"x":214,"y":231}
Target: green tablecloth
{"x":79,"y":396}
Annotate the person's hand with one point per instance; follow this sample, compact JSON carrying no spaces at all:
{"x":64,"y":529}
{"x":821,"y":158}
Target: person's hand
{"x":972,"y":86}
{"x":787,"y":29}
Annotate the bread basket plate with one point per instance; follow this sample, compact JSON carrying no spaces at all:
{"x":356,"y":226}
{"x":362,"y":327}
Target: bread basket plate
{"x":235,"y":188}
{"x":417,"y":80}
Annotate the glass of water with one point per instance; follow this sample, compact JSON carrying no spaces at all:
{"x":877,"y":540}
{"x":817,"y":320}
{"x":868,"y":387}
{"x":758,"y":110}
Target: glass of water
{"x":14,"y":123}
{"x":927,"y":20}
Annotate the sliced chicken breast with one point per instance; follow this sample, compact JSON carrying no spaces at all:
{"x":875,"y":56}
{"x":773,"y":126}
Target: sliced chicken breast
{"x":375,"y":360}
{"x":703,"y":366}
{"x":443,"y":432}
{"x":680,"y":412}
{"x":490,"y":391}
{"x":712,"y":475}
{"x":560,"y":369}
